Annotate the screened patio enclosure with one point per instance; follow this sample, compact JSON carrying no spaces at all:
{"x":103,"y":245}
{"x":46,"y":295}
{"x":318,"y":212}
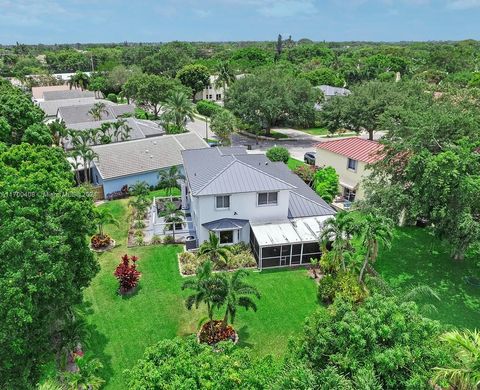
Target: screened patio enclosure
{"x":289,"y":243}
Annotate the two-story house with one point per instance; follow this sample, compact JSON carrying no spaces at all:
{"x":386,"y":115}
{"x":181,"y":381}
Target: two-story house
{"x":350,"y":158}
{"x":247,"y":198}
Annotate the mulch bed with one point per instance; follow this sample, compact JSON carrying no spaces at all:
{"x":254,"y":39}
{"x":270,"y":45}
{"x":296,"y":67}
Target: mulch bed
{"x":219,"y":334}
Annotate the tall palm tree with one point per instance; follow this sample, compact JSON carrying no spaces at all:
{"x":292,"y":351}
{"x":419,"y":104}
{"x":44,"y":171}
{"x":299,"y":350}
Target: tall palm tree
{"x":88,"y":156}
{"x":208,"y":288}
{"x":178,"y":109}
{"x":59,"y":131}
{"x":125,"y":130}
{"x":118,"y":128}
{"x":172,"y":216}
{"x":168,"y":179}
{"x":76,"y":163}
{"x":105,"y":136}
{"x":465,"y":375}
{"x":225,"y":75}
{"x":240,"y":294}
{"x":375,"y":229}
{"x":104,"y":216}
{"x":213,"y":249}
{"x":339,"y":231}
{"x":97,"y":110}
{"x":79,"y":80}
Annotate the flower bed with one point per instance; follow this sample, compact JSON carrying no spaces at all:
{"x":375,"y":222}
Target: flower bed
{"x":101,"y":243}
{"x":219,"y":333}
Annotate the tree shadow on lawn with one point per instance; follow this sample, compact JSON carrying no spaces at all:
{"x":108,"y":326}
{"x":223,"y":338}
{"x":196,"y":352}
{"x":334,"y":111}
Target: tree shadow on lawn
{"x":243,"y":336}
{"x":418,"y":258}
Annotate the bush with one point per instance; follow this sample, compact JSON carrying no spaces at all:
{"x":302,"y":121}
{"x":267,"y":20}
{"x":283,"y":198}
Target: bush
{"x":326,"y":289}
{"x":188,"y":263}
{"x":100,"y":242}
{"x":156,"y":239}
{"x":278,"y":153}
{"x":139,"y":241}
{"x":138,"y":233}
{"x":168,"y":240}
{"x":206,"y":108}
{"x":239,"y":248}
{"x":306,"y":173}
{"x":241,"y":260}
{"x":326,"y":183}
{"x":139,"y":224}
{"x":344,"y":285}
{"x":112,"y":97}
{"x":127,"y":274}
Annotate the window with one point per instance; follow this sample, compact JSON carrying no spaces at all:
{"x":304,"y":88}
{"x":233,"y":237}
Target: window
{"x":267,"y":198}
{"x":226,"y":237}
{"x":222,"y":202}
{"x":349,"y":194}
{"x":219,"y":96}
{"x":210,"y":96}
{"x":352,"y":164}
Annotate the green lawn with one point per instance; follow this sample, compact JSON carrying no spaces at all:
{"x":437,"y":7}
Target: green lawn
{"x":160,"y":193}
{"x":315,"y":131}
{"x":293,"y":163}
{"x":418,"y":258}
{"x":122,"y":328}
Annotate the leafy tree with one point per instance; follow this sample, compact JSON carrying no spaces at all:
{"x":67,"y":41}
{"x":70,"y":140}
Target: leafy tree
{"x":332,"y":114}
{"x":43,"y":230}
{"x":272,"y":97}
{"x":464,"y":373}
{"x":324,"y":76}
{"x":238,"y":294}
{"x":38,"y":134}
{"x":225,"y":75}
{"x":207,"y":108}
{"x":382,"y":344}
{"x":186,"y":364}
{"x":278,"y":153}
{"x":213,"y":250}
{"x":169,"y":59}
{"x":178,"y":109}
{"x":248,"y":58}
{"x":302,"y":53}
{"x":326,"y":183}
{"x":223,"y":126}
{"x":375,"y":229}
{"x":98,"y":83}
{"x":5,"y":130}
{"x":168,"y":179}
{"x":194,"y":76}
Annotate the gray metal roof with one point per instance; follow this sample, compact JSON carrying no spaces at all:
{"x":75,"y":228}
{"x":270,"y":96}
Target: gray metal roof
{"x":145,"y":155}
{"x":68,"y":94}
{"x":225,"y":224}
{"x":230,"y":170}
{"x":328,"y":91}
{"x":51,"y":107}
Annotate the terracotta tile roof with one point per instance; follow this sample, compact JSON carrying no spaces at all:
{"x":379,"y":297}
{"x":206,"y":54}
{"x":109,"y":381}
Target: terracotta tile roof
{"x":355,"y":148}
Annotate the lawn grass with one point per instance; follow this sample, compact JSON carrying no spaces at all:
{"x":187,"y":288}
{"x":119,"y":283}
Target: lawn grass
{"x":160,"y":193}
{"x":315,"y":131}
{"x":417,"y":258}
{"x":293,"y":163}
{"x":121,"y":328}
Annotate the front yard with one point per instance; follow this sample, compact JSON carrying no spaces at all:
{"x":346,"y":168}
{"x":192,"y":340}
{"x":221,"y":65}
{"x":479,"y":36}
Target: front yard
{"x":121,"y":328}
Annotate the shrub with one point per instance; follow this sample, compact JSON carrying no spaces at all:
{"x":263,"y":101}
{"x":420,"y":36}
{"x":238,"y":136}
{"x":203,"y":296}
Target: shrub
{"x":112,"y":97}
{"x":100,"y":242}
{"x":239,"y":248}
{"x":206,"y":108}
{"x":127,"y":273}
{"x":156,"y":239}
{"x":188,"y":262}
{"x":168,"y":240}
{"x":278,"y":153}
{"x":139,"y":241}
{"x":241,"y":260}
{"x":306,"y":173}
{"x":326,"y":183}
{"x":138,"y":233}
{"x":139,"y":224}
{"x":326,"y":289}
{"x":344,"y":285}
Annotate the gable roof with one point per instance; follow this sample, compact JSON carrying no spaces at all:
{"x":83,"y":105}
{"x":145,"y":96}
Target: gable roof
{"x":67,"y":94}
{"x":50,"y":107}
{"x":355,"y":148}
{"x":37,"y":92}
{"x":80,"y":113}
{"x":145,"y":155}
{"x":230,"y":170}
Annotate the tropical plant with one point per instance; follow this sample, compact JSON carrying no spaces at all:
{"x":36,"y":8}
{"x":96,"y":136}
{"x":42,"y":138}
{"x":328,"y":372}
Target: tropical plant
{"x":278,"y":153}
{"x":168,"y":179}
{"x":225,"y":75}
{"x":97,"y":110}
{"x":240,"y":294}
{"x":214,"y":250}
{"x":103,"y":216}
{"x":223,"y":126}
{"x":58,"y":130}
{"x":208,"y":288}
{"x":375,"y":229}
{"x":326,"y":183}
{"x":464,"y":373}
{"x":127,"y":273}
{"x":172,"y":215}
{"x":79,"y":80}
{"x":177,"y":110}
{"x":86,"y":377}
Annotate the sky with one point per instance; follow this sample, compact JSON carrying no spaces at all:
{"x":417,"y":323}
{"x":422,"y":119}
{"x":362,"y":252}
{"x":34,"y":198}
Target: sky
{"x":87,"y":21}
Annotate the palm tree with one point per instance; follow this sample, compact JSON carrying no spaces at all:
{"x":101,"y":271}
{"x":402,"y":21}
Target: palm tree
{"x":465,"y":375}
{"x":339,"y":230}
{"x":125,"y":130}
{"x":76,"y":163}
{"x":238,"y":294}
{"x":213,"y":249}
{"x":79,"y":80}
{"x":58,"y":130}
{"x":172,"y":216}
{"x":208,"y":288}
{"x":225,"y":75}
{"x":104,"y":131}
{"x":86,"y":377}
{"x":88,"y":156}
{"x":97,"y":110}
{"x":168,"y":179}
{"x":119,"y":128}
{"x":376,"y":229}
{"x":178,"y":109}
{"x":104,"y":216}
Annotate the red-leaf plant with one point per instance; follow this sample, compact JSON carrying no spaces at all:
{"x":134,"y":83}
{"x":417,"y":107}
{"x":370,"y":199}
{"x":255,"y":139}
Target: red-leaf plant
{"x":127,"y":273}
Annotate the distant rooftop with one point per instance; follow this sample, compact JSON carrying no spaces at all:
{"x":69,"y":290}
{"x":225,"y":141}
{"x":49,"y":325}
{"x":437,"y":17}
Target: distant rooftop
{"x":67,"y":94}
{"x":80,"y":113}
{"x":50,"y":107}
{"x":329,"y":91}
{"x":355,"y":148}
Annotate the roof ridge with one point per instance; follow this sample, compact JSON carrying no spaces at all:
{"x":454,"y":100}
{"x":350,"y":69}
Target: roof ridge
{"x":265,"y":173}
{"x":149,"y":139}
{"x":215,"y":176}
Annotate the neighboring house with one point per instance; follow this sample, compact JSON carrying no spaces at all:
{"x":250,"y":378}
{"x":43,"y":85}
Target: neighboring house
{"x":81,"y":113}
{"x":211,"y":92}
{"x":350,"y":158}
{"x":50,"y":107}
{"x":139,"y":129}
{"x":247,"y":198}
{"x":67,"y":94}
{"x":329,"y":92}
{"x":37,"y":92}
{"x":126,"y":163}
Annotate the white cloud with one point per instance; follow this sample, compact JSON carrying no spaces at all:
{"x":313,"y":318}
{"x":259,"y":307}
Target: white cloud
{"x":286,"y":8}
{"x":463,"y":4}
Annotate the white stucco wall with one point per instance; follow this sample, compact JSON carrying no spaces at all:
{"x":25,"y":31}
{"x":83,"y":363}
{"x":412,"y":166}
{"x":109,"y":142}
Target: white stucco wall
{"x":340,"y":164}
{"x":244,"y":205}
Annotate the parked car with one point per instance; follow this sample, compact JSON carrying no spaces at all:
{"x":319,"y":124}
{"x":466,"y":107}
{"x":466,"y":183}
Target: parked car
{"x":309,"y":158}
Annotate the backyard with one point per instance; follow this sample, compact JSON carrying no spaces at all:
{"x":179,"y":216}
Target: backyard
{"x":121,"y":328}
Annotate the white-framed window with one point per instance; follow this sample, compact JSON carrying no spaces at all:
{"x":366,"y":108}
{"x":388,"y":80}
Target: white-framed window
{"x":210,"y":97}
{"x":218,"y":96}
{"x":226,"y":237}
{"x":222,"y":202}
{"x":267,"y":198}
{"x":352,"y":164}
